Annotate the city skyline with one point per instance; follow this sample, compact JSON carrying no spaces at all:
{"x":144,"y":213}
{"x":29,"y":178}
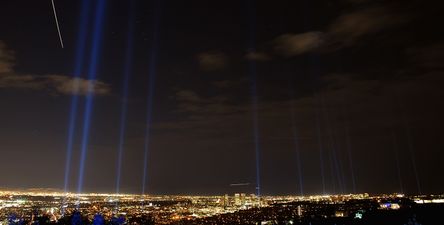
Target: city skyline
{"x":240,"y":208}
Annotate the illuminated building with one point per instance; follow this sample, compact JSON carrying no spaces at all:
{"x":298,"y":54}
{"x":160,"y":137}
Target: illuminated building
{"x":237,"y":199}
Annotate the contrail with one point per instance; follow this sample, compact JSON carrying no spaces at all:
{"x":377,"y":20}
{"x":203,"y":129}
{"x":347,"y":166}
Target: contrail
{"x":239,"y":184}
{"x":57,"y":23}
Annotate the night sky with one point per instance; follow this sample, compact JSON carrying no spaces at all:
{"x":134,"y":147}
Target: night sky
{"x":358,"y":81}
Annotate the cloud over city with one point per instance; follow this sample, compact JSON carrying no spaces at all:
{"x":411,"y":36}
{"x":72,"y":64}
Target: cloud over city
{"x":53,"y":84}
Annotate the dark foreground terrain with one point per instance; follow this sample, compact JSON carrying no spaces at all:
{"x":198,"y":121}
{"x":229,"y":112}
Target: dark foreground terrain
{"x":359,"y":212}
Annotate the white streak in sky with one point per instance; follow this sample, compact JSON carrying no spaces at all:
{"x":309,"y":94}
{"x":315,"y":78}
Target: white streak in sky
{"x":240,"y":184}
{"x":57,"y":23}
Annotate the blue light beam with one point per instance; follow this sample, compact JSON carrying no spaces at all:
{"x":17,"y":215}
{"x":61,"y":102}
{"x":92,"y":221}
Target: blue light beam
{"x":330,"y":133}
{"x":398,"y":166}
{"x":349,"y":149}
{"x":126,"y":78}
{"x":298,"y":161}
{"x":152,"y":71}
{"x":253,"y":92}
{"x":97,"y":34}
{"x":296,"y":144}
{"x":350,"y":157}
{"x":79,"y":61}
{"x":411,"y":149}
{"x":320,"y":145}
{"x":314,"y":64}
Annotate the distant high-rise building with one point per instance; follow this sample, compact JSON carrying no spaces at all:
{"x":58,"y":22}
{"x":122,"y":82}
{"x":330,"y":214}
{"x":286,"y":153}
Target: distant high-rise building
{"x":242,"y":198}
{"x":237,"y":200}
{"x":226,"y":200}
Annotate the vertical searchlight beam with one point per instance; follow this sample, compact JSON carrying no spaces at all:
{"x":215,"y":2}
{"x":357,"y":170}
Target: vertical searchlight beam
{"x":319,"y":139}
{"x":152,"y":71}
{"x":349,"y":151}
{"x":398,"y":166}
{"x":298,"y":157}
{"x":79,"y":64}
{"x":253,"y":91}
{"x":410,"y":147}
{"x":296,"y":143}
{"x":335,"y":162}
{"x":350,"y":158}
{"x":314,"y":64}
{"x":95,"y":49}
{"x":126,"y":77}
{"x":320,"y":145}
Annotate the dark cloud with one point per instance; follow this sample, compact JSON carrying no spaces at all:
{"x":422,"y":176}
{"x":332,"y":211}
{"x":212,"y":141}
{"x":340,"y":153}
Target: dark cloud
{"x":229,"y":83}
{"x":188,"y":96}
{"x":55,"y":84}
{"x":430,"y":56}
{"x":210,"y":61}
{"x":350,"y":27}
{"x":77,"y":86}
{"x":257,"y":56}
{"x":190,"y":102}
{"x":358,"y":1}
{"x":6,"y":59}
{"x":344,"y":31}
{"x":295,"y":44}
